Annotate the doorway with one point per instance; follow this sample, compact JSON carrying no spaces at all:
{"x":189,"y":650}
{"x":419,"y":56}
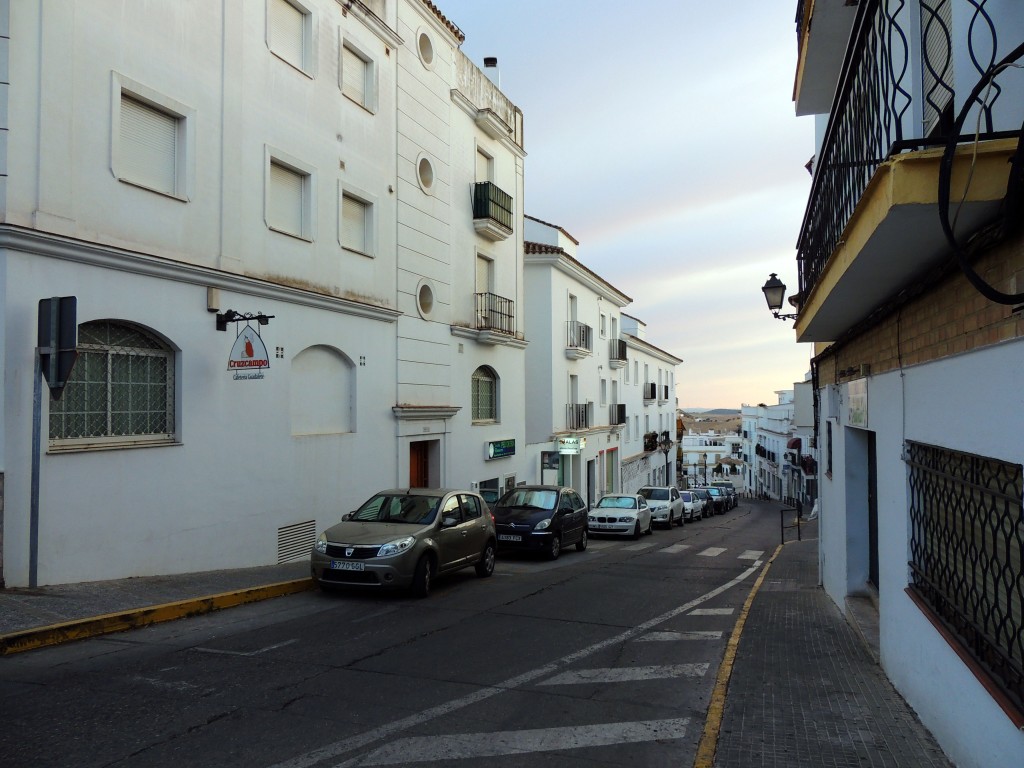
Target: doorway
{"x":419,"y":464}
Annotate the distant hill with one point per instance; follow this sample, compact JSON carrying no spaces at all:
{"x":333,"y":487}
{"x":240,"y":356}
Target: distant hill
{"x":713,"y":411}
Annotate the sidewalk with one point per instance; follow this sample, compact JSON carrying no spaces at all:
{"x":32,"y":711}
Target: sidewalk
{"x":805,"y":690}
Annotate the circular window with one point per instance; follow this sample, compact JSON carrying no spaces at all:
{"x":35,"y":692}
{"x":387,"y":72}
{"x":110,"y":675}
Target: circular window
{"x":424,"y":299}
{"x":426,"y":48}
{"x":425,"y":173}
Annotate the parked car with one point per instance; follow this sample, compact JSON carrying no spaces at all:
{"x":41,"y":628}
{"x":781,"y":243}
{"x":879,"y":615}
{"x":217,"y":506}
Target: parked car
{"x":719,"y":499}
{"x":540,"y":518}
{"x":730,"y":492}
{"x":693,"y":506}
{"x":490,"y":495}
{"x":625,"y":514}
{"x":665,"y":503}
{"x":404,"y":538}
{"x":709,"y":503}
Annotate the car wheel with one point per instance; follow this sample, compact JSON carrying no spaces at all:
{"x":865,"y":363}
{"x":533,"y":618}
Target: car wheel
{"x":485,"y":567}
{"x":582,"y":543}
{"x":650,"y":526}
{"x":636,"y":530}
{"x":424,"y":574}
{"x":555,"y":547}
{"x":682,"y":519}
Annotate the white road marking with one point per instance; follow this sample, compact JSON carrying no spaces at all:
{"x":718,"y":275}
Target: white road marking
{"x":637,"y":547}
{"x":655,"y":637}
{"x":462,"y":746}
{"x":712,"y":612}
{"x":244,"y":653}
{"x":712,"y":552}
{"x":627,"y":674}
{"x":675,"y":548}
{"x":386,"y":730}
{"x":751,"y":554}
{"x":600,"y":544}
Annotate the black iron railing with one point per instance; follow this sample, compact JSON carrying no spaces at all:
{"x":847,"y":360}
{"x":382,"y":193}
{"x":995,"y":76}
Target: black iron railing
{"x":577,"y":416}
{"x":650,"y":391}
{"x":490,"y":202}
{"x":618,"y":350}
{"x":495,"y":313}
{"x":873,"y":115}
{"x":966,"y":548}
{"x":617,"y":414}
{"x":579,"y":336}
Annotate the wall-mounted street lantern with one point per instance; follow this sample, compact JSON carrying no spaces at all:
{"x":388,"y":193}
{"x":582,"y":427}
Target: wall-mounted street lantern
{"x":230,"y":316}
{"x":664,"y":444}
{"x":774,"y":292}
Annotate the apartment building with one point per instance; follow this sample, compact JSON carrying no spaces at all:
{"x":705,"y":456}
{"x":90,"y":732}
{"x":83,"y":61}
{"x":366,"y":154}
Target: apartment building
{"x":910,"y":262}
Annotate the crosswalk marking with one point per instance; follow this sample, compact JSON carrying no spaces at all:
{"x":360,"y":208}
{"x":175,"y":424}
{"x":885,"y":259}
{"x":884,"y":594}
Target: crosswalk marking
{"x":637,"y":547}
{"x":711,"y":612}
{"x":461,"y":746}
{"x":626,"y":674}
{"x":672,"y":636}
{"x":675,"y":548}
{"x":751,"y":554}
{"x":712,"y":552}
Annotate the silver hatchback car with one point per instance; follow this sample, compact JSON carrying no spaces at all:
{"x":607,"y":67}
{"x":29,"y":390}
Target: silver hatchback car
{"x":405,"y":537}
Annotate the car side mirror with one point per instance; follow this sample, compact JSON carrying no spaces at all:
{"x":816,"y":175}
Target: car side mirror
{"x":347,"y":516}
{"x":449,"y":522}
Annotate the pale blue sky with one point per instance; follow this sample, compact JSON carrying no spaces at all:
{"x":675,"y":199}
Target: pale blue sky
{"x":661,"y":135}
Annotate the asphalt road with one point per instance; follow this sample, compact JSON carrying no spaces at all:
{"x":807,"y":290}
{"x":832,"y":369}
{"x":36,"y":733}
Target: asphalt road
{"x":601,"y":658}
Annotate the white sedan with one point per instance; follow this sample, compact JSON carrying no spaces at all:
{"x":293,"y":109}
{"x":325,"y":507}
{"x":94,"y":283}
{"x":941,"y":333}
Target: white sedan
{"x":665,"y":503}
{"x":622,"y":514}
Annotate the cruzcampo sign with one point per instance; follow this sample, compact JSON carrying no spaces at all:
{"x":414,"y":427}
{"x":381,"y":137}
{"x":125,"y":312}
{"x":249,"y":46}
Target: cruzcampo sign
{"x":249,"y":355}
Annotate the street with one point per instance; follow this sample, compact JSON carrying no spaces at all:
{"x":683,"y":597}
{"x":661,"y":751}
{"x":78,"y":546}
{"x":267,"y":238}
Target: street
{"x":605,"y":657}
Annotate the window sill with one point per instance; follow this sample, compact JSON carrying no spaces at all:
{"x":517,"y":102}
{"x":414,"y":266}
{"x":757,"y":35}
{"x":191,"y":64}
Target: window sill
{"x":84,"y":446}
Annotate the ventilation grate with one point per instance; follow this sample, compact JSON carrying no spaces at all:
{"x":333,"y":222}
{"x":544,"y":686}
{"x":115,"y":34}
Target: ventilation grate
{"x":294,"y":541}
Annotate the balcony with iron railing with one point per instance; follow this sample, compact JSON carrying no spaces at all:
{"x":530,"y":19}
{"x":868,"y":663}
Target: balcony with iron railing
{"x":495,"y":313}
{"x":905,"y":71}
{"x":617,"y":414}
{"x":617,"y":354}
{"x":650,"y":391}
{"x":492,"y":211}
{"x":577,"y":416}
{"x":579,"y":340}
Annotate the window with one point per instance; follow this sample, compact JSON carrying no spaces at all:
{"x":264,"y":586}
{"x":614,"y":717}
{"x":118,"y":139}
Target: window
{"x":290,"y":33}
{"x":289,"y":204}
{"x":603,"y":325}
{"x":121,"y":389}
{"x":150,"y":138}
{"x":485,"y":395}
{"x":356,"y":224}
{"x":484,"y":275}
{"x":358,"y":80}
{"x":484,"y":166}
{"x":604,"y":391}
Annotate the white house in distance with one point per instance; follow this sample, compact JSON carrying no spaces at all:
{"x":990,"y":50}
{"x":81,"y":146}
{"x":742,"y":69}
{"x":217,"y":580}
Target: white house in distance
{"x":293,"y":234}
{"x":711,"y":455}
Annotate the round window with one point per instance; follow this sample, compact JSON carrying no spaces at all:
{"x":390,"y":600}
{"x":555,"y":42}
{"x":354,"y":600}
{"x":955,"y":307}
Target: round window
{"x":425,"y":173}
{"x":426,"y":49}
{"x":424,"y":299}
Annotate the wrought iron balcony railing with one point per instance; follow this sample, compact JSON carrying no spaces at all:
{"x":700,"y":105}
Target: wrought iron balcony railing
{"x":493,"y":204}
{"x":579,"y":336}
{"x":617,"y":351}
{"x":650,"y":391}
{"x":495,"y":313}
{"x":874,"y":115}
{"x":577,"y":416}
{"x":617,"y":414}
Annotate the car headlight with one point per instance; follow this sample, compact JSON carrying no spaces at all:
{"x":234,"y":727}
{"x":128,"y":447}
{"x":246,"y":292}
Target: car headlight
{"x":543,"y":525}
{"x":396,"y":547}
{"x":321,"y":544}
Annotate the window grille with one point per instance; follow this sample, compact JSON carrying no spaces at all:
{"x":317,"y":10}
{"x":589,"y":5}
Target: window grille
{"x":967,"y":539}
{"x":121,"y":387}
{"x":485,"y":400}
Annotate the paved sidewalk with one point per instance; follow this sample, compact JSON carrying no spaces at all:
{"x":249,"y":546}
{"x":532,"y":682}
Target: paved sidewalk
{"x":805,"y":690}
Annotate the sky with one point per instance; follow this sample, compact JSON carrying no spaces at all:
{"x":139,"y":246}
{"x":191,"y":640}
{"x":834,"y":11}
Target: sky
{"x":661,"y":135}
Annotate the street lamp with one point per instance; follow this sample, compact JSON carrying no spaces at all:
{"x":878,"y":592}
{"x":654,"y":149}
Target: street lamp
{"x":704,"y":467}
{"x":774,"y":292}
{"x":663,"y":445}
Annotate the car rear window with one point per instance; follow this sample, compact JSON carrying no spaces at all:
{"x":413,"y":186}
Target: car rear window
{"x":658,"y":494}
{"x":687,"y":496}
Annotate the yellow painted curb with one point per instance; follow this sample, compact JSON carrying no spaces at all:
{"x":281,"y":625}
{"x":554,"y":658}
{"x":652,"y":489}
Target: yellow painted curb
{"x":705,"y":757}
{"x":79,"y":629}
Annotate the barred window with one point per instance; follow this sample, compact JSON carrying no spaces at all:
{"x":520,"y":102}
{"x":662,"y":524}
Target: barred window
{"x":120,"y":390}
{"x":967,"y":539}
{"x":485,"y":395}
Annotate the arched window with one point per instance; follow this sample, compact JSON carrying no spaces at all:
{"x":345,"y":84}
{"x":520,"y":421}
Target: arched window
{"x":485,"y":395}
{"x":121,"y":389}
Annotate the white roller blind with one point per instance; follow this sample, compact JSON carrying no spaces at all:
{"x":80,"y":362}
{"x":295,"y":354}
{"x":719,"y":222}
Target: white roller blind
{"x":149,"y":143}
{"x":353,"y":224}
{"x":353,"y":76}
{"x":287,"y":32}
{"x":286,"y":199}
{"x":483,"y":167}
{"x":483,"y":275}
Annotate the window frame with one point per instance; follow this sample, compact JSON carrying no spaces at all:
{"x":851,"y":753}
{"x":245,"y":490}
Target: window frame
{"x":308,"y":63}
{"x":122,"y":87}
{"x":370,"y":74}
{"x":477,"y":416}
{"x":162,"y":349}
{"x":308,"y":190}
{"x":370,"y":204}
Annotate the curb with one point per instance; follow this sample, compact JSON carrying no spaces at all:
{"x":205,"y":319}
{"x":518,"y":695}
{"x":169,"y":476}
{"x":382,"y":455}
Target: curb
{"x":80,"y":629}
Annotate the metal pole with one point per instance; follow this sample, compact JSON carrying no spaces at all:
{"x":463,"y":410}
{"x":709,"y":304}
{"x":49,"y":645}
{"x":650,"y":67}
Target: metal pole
{"x":33,"y":536}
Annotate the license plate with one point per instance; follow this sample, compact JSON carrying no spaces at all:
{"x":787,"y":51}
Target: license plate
{"x":509,"y":537}
{"x":345,"y":565}
{"x":599,"y":525}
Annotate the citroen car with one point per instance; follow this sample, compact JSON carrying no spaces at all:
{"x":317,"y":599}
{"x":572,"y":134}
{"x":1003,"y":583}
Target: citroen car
{"x":541,"y":518}
{"x":403,"y":538}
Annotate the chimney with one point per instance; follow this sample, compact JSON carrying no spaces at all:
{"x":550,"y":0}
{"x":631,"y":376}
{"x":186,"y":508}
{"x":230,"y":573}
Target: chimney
{"x":491,"y":62}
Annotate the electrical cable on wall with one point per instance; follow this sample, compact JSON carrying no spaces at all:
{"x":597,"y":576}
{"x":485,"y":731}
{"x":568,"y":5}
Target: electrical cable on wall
{"x":1009,"y":217}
